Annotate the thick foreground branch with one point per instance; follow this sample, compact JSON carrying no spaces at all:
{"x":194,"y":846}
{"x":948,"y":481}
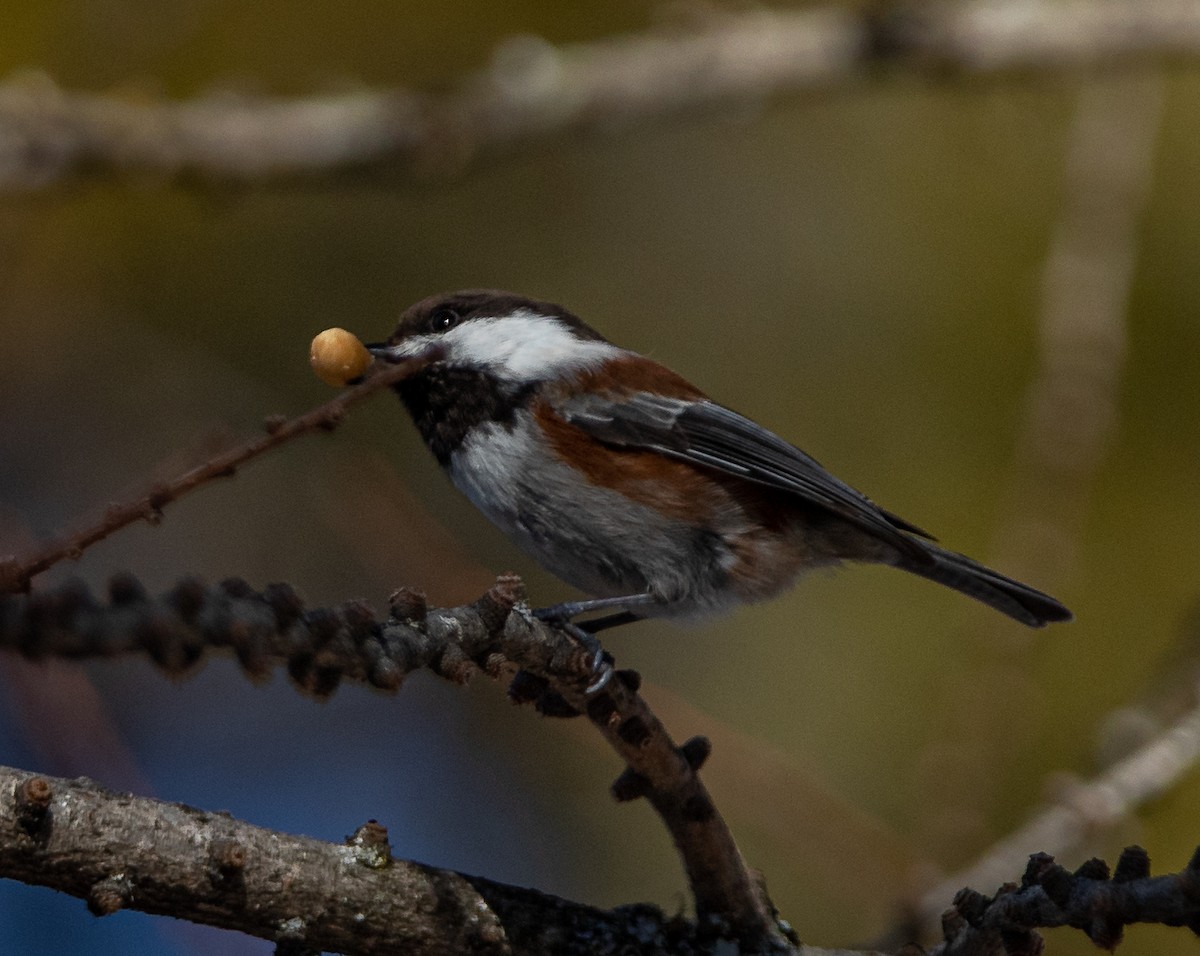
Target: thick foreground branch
{"x":533,"y":90}
{"x":77,"y":837}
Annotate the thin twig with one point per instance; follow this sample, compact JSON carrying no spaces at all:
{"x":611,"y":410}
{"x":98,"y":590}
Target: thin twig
{"x":16,"y":573}
{"x":533,"y":90}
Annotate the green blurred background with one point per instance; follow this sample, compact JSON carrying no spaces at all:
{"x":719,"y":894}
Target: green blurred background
{"x":858,"y":269}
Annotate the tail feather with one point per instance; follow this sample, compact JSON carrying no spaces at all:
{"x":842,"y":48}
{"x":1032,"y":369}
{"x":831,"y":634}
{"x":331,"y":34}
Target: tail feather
{"x":1019,"y":601}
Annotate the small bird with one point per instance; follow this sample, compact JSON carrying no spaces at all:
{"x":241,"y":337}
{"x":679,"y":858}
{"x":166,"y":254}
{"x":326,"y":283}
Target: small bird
{"x":629,"y":483}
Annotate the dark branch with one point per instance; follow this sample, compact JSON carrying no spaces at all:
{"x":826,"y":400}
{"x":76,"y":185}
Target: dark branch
{"x":1088,"y":899}
{"x":322,"y":647}
{"x":533,"y":90}
{"x":1083,"y":810}
{"x":210,"y":868}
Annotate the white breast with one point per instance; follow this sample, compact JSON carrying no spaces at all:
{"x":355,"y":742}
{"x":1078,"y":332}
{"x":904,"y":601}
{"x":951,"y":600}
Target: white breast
{"x":592,"y":537}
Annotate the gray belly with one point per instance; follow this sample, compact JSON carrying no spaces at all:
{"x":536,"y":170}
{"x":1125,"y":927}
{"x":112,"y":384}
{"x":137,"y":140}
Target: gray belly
{"x":592,"y":537}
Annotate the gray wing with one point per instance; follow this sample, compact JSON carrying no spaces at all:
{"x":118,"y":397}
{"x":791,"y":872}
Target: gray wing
{"x":704,"y":433}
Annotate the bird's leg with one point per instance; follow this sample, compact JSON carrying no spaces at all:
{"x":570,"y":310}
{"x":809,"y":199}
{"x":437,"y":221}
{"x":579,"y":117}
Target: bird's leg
{"x":560,"y":615}
{"x":625,"y":605}
{"x":609,"y":621}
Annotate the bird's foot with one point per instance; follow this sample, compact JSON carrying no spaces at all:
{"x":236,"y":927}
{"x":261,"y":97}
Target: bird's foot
{"x":560,"y":616}
{"x":563,"y":615}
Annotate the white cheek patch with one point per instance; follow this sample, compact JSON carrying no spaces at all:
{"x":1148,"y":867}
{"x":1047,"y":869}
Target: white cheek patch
{"x":523,"y":346}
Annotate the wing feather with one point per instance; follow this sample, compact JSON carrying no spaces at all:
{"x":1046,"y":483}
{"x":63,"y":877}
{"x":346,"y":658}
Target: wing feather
{"x":710,"y":435}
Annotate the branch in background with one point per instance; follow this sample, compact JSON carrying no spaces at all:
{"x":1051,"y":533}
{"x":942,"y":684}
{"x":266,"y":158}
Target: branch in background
{"x":1148,"y":748}
{"x":323,"y":647}
{"x":1070,"y":417}
{"x":533,"y":90}
{"x":1071,"y":406}
{"x":1090,"y":899}
{"x":15,"y":573}
{"x":1083,"y":810}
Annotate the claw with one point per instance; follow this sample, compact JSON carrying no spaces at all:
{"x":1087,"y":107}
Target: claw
{"x":603,"y":673}
{"x":562,"y":615}
{"x":602,"y":670}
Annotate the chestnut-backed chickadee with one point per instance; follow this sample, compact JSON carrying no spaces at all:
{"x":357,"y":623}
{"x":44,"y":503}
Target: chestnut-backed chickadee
{"x":629,"y":483}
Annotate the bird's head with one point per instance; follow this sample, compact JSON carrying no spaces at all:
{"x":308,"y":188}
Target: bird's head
{"x":511,"y":339}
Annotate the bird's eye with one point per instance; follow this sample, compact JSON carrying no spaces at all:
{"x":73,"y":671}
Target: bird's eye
{"x":444,"y":319}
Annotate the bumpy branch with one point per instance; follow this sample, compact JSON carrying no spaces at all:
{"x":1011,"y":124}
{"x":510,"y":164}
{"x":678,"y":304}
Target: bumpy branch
{"x":1083,"y":809}
{"x":1090,"y":899}
{"x":322,"y":647}
{"x":216,"y":870}
{"x":533,"y":90}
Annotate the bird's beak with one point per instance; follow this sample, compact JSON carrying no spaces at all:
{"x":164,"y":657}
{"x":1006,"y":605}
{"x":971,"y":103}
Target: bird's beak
{"x":381,"y":350}
{"x":414,"y":352}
